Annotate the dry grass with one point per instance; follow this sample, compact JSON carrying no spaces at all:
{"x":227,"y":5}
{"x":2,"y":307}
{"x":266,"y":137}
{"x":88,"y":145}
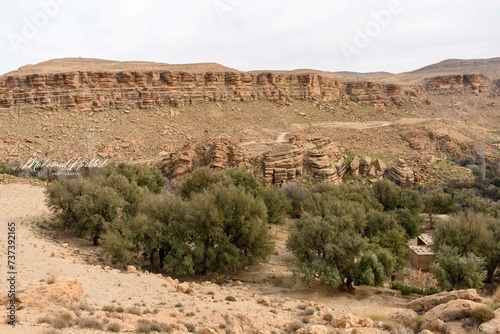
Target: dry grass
{"x":377,"y":317}
{"x":109,"y":308}
{"x":114,"y":327}
{"x":496,"y":295}
{"x":85,"y":306}
{"x":294,"y":326}
{"x":134,"y":310}
{"x":148,"y":326}
{"x":87,"y":322}
{"x":52,"y":331}
{"x":51,"y":279}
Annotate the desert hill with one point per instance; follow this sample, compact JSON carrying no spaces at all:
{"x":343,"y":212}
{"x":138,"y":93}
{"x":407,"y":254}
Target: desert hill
{"x":90,"y":64}
{"x":488,"y":67}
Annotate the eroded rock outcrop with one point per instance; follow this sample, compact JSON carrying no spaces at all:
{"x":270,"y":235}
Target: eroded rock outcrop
{"x":458,"y":84}
{"x":428,"y":302}
{"x":401,"y":174}
{"x":317,"y":158}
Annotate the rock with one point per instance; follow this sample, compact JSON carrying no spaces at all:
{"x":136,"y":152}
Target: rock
{"x":401,"y":174}
{"x":426,"y":331}
{"x":239,"y":323}
{"x":131,"y":269}
{"x":404,"y":315}
{"x":182,"y":287}
{"x":313,"y":329}
{"x":264,"y":300}
{"x":209,"y":331}
{"x":380,"y":166}
{"x":351,"y":321}
{"x":55,"y":255}
{"x":62,"y":293}
{"x":453,"y":310}
{"x":354,"y":166}
{"x":426,"y":303}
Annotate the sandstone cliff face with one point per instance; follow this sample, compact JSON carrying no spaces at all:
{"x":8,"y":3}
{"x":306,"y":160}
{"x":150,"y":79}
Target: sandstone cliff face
{"x":314,"y":158}
{"x":376,"y":94}
{"x":458,"y":84}
{"x":98,"y":91}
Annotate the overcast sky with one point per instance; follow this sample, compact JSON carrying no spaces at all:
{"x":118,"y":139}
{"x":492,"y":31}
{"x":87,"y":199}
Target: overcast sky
{"x":332,"y":35}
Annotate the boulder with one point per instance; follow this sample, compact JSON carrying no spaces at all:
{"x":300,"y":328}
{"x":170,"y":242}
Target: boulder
{"x":426,"y":303}
{"x":183,"y":287}
{"x":453,"y":310}
{"x":62,"y":293}
{"x":263,"y":300}
{"x":351,"y":321}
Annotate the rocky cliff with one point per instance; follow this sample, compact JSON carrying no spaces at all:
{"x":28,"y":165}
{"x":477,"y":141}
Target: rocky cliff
{"x":97,"y":91}
{"x":96,"y":85}
{"x":458,"y":84}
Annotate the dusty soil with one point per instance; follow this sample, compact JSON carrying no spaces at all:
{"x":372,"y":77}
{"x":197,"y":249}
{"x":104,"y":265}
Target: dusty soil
{"x":41,"y":253}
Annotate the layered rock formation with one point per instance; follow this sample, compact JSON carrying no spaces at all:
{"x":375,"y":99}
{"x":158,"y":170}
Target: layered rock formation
{"x":458,"y":84}
{"x":315,"y":158}
{"x":115,"y":88}
{"x":401,"y":174}
{"x":97,"y":91}
{"x":276,"y":163}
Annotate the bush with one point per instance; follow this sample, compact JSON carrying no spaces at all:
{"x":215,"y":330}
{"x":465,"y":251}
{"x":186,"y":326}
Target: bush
{"x":472,"y":232}
{"x":455,"y":271}
{"x":326,"y":249}
{"x":277,"y":205}
{"x":114,"y":327}
{"x":296,"y":194}
{"x":88,"y":207}
{"x":87,"y":322}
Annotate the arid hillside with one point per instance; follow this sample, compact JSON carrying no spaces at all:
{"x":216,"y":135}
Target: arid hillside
{"x":280,"y":121}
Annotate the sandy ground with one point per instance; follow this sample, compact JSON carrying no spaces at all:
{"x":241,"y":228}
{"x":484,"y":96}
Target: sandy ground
{"x":40,"y":253}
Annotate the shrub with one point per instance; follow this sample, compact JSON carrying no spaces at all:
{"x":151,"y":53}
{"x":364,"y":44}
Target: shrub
{"x":114,"y":327}
{"x":455,"y":271}
{"x":88,"y":206}
{"x":472,"y":232}
{"x":296,"y":194}
{"x":87,"y":322}
{"x":51,"y":279}
{"x":197,"y":181}
{"x":277,"y":204}
{"x":134,"y":310}
{"x":59,"y":323}
{"x":108,"y":308}
{"x":294,"y":326}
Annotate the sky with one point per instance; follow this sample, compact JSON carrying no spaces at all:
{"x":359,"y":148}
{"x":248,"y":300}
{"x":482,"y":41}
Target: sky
{"x":332,"y":35}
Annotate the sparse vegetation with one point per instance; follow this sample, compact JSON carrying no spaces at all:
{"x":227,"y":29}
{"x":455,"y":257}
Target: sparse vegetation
{"x":51,"y":279}
{"x":88,"y":322}
{"x":114,"y":327}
